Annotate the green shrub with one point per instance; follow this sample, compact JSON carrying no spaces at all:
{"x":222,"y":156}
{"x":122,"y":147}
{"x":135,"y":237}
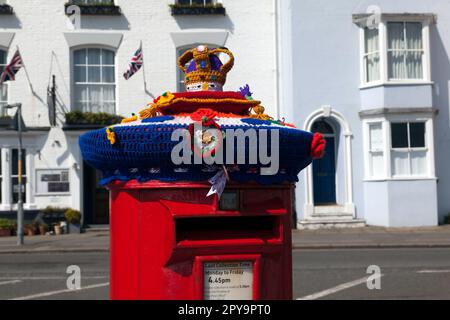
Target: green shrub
{"x":90,"y":118}
{"x":6,"y":224}
{"x":73,"y":216}
{"x":50,"y":211}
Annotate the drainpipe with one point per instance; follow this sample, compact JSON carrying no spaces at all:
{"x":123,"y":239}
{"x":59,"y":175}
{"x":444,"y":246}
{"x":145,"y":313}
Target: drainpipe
{"x":276,"y":4}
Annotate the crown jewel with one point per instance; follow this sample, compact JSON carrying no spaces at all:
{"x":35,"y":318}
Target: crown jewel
{"x":203,"y":69}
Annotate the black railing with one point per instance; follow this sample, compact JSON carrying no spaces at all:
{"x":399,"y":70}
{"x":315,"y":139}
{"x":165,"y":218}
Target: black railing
{"x":96,"y":9}
{"x":197,"y":9}
{"x":6,"y":9}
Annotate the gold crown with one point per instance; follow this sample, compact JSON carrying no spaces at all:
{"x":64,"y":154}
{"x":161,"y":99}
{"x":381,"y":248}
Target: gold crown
{"x":201,"y":65}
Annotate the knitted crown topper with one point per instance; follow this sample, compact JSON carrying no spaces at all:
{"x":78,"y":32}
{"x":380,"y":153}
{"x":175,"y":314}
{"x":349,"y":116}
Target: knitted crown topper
{"x":203,"y":69}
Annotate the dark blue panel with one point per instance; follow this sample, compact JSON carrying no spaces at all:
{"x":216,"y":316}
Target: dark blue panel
{"x":324,"y":173}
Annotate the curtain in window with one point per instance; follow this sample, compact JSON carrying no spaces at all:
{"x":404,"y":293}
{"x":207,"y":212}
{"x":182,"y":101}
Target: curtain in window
{"x":372,"y":55}
{"x":414,"y":58}
{"x":396,"y":55}
{"x":376,"y":150}
{"x":94,"y":77}
{"x":405,"y":50}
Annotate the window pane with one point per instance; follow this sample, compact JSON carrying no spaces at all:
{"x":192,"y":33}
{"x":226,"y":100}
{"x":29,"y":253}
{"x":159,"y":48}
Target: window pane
{"x":396,"y":65}
{"x":55,"y":187}
{"x":108,"y":57}
{"x":15,"y":158}
{"x":414,"y":66}
{"x":93,"y":56}
{"x":80,"y":57}
{"x":419,"y":163}
{"x":414,"y":35}
{"x":4,"y":93}
{"x":2,"y":57}
{"x":80,"y":74}
{"x":322,"y":127}
{"x":417,"y":135}
{"x":399,"y":135}
{"x":109,"y":108}
{"x":396,"y":35}
{"x":95,"y":98}
{"x":377,"y":164}
{"x":109,"y":93}
{"x":400,"y":163}
{"x":81,"y":93}
{"x":108,"y":75}
{"x":372,"y":67}
{"x":94,"y":74}
{"x":376,"y":137}
{"x":370,"y":40}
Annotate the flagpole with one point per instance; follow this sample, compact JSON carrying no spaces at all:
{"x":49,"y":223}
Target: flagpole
{"x":26,"y":71}
{"x":143,"y":68}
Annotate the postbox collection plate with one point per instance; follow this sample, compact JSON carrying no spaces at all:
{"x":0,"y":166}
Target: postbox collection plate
{"x":228,"y":280}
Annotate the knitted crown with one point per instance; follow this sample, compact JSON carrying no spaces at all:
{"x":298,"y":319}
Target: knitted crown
{"x":205,"y":66}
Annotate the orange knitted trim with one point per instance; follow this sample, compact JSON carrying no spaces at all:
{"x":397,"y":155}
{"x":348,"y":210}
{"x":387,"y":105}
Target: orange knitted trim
{"x":211,"y":101}
{"x":218,"y":114}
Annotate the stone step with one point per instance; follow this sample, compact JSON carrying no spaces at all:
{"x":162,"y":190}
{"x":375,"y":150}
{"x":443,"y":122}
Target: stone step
{"x":314,"y":224}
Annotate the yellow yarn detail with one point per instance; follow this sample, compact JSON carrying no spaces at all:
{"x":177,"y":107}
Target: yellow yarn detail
{"x":150,"y":112}
{"x":131,"y":119}
{"x":166,"y":98}
{"x":111,"y":135}
{"x":259,"y":110}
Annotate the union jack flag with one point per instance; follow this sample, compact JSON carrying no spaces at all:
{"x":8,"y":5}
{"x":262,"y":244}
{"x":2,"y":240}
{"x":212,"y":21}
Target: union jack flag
{"x":135,"y":64}
{"x":9,"y":73}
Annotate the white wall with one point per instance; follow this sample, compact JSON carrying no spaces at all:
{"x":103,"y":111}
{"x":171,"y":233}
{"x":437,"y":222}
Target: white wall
{"x":41,"y":31}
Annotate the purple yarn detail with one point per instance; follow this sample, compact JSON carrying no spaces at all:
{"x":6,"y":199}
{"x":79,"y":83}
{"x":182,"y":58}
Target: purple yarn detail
{"x":216,"y":64}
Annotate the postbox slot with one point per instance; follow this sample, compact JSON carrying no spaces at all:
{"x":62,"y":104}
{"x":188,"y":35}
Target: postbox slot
{"x":213,"y":229}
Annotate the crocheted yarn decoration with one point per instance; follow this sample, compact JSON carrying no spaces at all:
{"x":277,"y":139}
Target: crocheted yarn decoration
{"x":141,"y":148}
{"x":203,"y":68}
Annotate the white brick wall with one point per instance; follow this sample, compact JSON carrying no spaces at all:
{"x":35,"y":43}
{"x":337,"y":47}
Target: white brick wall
{"x":39,"y":28}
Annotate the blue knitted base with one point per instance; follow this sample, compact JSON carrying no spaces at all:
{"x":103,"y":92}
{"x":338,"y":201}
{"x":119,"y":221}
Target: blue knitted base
{"x":143,"y":153}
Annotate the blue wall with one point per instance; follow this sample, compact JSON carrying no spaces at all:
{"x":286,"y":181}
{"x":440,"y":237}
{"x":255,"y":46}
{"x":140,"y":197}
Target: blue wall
{"x":323,"y":68}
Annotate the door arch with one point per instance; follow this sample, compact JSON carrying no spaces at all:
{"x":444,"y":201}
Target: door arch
{"x":346,"y":206}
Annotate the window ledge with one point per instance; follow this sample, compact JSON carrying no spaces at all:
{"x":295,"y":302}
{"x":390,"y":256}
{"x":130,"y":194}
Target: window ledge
{"x":60,"y":194}
{"x":97,"y":10}
{"x":395,"y":84}
{"x":180,"y":10}
{"x":400,"y":179}
{"x":6,"y":9}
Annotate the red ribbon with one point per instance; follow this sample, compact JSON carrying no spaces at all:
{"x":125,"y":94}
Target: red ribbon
{"x":318,"y":145}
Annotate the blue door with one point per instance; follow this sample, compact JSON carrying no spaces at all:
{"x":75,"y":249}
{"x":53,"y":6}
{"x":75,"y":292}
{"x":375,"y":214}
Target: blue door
{"x":324,"y":173}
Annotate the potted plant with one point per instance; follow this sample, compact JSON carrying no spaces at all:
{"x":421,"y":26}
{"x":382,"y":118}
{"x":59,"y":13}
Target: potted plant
{"x":73,"y":218}
{"x":57,"y":228}
{"x":29,"y":230}
{"x":43,"y":228}
{"x":6,"y":227}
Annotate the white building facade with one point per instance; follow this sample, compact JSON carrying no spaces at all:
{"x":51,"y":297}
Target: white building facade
{"x":372,"y":76}
{"x":87,"y":63}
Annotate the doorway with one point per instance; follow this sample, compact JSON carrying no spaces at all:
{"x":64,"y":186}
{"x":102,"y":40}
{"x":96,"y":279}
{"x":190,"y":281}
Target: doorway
{"x":324,"y":170}
{"x":95,"y":197}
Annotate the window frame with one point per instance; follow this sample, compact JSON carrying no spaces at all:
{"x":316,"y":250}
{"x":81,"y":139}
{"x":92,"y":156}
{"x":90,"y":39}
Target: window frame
{"x":60,"y":170}
{"x":386,"y":121}
{"x":409,"y":150}
{"x":3,"y":111}
{"x":74,"y":83}
{"x":213,"y":2}
{"x":382,"y":26}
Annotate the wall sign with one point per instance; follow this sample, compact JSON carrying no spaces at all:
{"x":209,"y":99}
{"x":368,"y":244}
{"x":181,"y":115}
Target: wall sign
{"x":231,"y":280}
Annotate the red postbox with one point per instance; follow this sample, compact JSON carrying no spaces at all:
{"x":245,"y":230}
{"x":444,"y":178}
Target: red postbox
{"x":176,"y":240}
{"x":168,"y":241}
